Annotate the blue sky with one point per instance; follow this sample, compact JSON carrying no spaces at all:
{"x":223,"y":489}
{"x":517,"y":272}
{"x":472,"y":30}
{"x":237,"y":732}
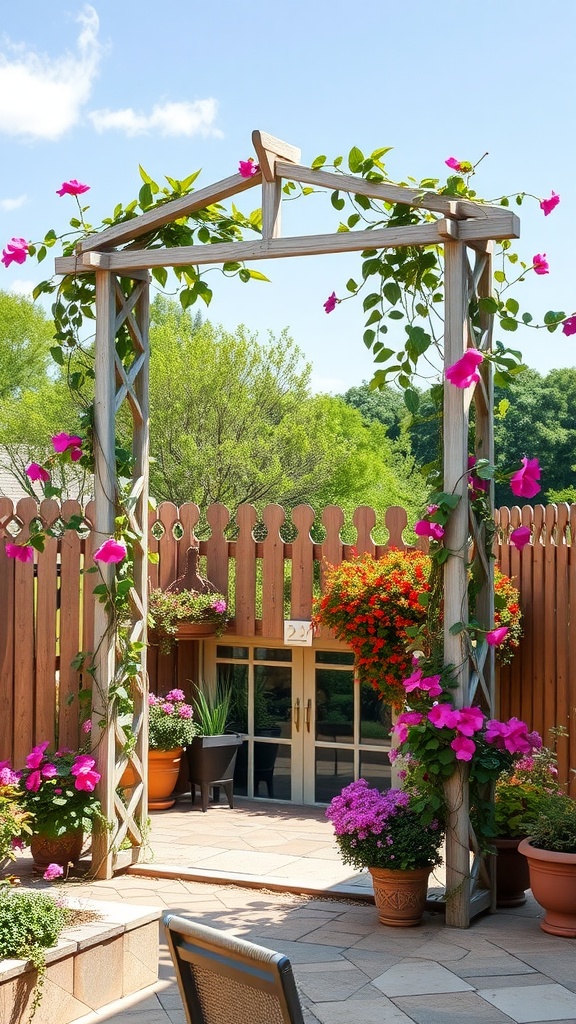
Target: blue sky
{"x":91,"y":91}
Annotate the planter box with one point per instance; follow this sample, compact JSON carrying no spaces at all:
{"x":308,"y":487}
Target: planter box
{"x":211,"y":762}
{"x":93,"y":965}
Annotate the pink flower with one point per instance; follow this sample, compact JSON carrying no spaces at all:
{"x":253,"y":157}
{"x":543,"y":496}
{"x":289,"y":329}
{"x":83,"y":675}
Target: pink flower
{"x":53,"y":871}
{"x":432,"y":685}
{"x":86,"y":777}
{"x":431,"y":509}
{"x":403,"y":723}
{"x":547,"y":205}
{"x":176,"y":694}
{"x":464,"y":748}
{"x":423,"y":528}
{"x":464,"y":371}
{"x":72,"y":188}
{"x":247,"y":168}
{"x":540,"y":264}
{"x":8,"y":777}
{"x":512,"y":736}
{"x":520,"y":537}
{"x":220,"y":607}
{"x":569,"y":326}
{"x":496,"y":636}
{"x":36,"y":472}
{"x":33,"y":782}
{"x":413,"y":681}
{"x":87,"y":725}
{"x":16,"y":251}
{"x":525,"y":482}
{"x":535,"y":739}
{"x":21,"y":552}
{"x":81,"y":762}
{"x":152,"y":699}
{"x":185,"y":711}
{"x":444,"y":716}
{"x":331,"y":303}
{"x":167,"y":709}
{"x":36,"y":755}
{"x":471,"y":721}
{"x":49,"y":771}
{"x":61,"y":442}
{"x":110,"y":551}
{"x":16,"y":843}
{"x":454,"y":164}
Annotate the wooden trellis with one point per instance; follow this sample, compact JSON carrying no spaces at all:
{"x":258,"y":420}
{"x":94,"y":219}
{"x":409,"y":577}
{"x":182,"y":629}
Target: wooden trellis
{"x":462,"y":227}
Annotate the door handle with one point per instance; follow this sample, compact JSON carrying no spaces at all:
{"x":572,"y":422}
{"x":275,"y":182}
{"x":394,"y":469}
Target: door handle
{"x":308,"y":714}
{"x":297,"y":714}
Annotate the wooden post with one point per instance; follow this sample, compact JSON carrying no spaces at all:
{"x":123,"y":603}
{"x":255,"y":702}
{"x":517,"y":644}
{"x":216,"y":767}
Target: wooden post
{"x":455,"y":580}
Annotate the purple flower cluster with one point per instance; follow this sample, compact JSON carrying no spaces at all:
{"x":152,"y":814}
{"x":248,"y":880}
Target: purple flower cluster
{"x":360,"y":811}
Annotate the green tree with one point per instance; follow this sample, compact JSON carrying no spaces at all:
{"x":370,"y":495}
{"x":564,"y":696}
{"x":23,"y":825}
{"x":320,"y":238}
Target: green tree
{"x":25,"y":336}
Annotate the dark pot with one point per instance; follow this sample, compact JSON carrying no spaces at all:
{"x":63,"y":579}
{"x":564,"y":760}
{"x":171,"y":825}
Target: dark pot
{"x":512,"y":875}
{"x":211,"y":762}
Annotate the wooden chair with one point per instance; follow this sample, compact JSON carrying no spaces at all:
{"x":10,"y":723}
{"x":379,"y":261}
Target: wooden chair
{"x":226,"y":980}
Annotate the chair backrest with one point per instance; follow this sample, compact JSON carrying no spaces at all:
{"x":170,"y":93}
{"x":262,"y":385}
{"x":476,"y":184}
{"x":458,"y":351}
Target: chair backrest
{"x":226,"y":980}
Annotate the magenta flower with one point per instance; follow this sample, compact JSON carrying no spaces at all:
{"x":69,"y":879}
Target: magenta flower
{"x":167,"y":709}
{"x":454,"y":164}
{"x":464,"y":748}
{"x":547,"y":205}
{"x":110,"y":551}
{"x":86,"y":776}
{"x":247,"y":168}
{"x":413,"y":681}
{"x":540,"y":264}
{"x":185,"y":711}
{"x":520,"y":537}
{"x":512,"y":736}
{"x":403,"y":723}
{"x":496,"y":636}
{"x":525,"y":482}
{"x":152,"y":699}
{"x":53,"y":871}
{"x":7,"y":776}
{"x":36,"y":755}
{"x":444,"y":716}
{"x":49,"y":771}
{"x":37,"y":472}
{"x":176,"y":694}
{"x":331,"y":303}
{"x":87,"y":725}
{"x":72,"y":188}
{"x":464,"y":371}
{"x":33,"y":782}
{"x":62,"y":442}
{"x":471,"y":721}
{"x":432,"y":685}
{"x":16,"y":843}
{"x":423,"y":528}
{"x":16,"y":251}
{"x":21,"y":552}
{"x":569,"y":326}
{"x":220,"y":607}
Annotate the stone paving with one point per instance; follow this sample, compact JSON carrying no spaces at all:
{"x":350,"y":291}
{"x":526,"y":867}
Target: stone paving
{"x":347,"y":965}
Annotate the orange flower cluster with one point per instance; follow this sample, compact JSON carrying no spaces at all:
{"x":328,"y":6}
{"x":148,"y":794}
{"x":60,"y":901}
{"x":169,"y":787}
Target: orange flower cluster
{"x":369,"y":603}
{"x":507,"y":613}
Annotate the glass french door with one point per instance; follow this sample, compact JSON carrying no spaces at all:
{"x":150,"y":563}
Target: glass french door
{"x":309,"y":728}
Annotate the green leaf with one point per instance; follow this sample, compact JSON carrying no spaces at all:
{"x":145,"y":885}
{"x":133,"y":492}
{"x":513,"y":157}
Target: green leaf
{"x":257,"y":276}
{"x":393,"y":292}
{"x":355,"y":160}
{"x":336,"y":201}
{"x":527,"y":318}
{"x":396,"y":314}
{"x":153,"y":557}
{"x":411,"y":400}
{"x":145,"y":197}
{"x":502,"y":408}
{"x":319,"y":161}
{"x":368,"y":338}
{"x":57,"y":355}
{"x":512,"y":306}
{"x":488,"y":305}
{"x":161,"y":275}
{"x":374,"y":317}
{"x":553,"y":318}
{"x":371,"y":300}
{"x":351,"y":285}
{"x":424,"y":599}
{"x":379,"y":153}
{"x":507,"y":324}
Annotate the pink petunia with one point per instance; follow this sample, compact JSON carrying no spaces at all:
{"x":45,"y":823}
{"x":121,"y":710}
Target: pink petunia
{"x":49,"y":771}
{"x":21,"y":552}
{"x":36,"y":472}
{"x":413,"y":681}
{"x":520,"y":537}
{"x":547,"y":205}
{"x":87,"y":725}
{"x":87,"y":781}
{"x":331,"y":303}
{"x":444,"y":716}
{"x":569,"y":326}
{"x":464,"y":371}
{"x":471,"y":721}
{"x":53,"y":871}
{"x":464,"y":747}
{"x":72,"y":188}
{"x":36,"y":755}
{"x":525,"y":482}
{"x":424,"y":528}
{"x":496,"y":636}
{"x":454,"y":164}
{"x":63,"y":441}
{"x":33,"y":782}
{"x":16,"y":251}
{"x":403,"y":723}
{"x":247,"y":168}
{"x":540,"y":264}
{"x":110,"y":551}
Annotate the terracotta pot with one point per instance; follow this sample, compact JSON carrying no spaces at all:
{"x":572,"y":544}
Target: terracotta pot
{"x":163,"y":769}
{"x":400,"y":896}
{"x":63,"y":850}
{"x":553,"y":884}
{"x":512,"y":875}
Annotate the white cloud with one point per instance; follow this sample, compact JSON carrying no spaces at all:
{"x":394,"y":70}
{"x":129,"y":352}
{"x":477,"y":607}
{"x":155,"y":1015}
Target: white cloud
{"x":24,"y":288}
{"x":41,"y":97}
{"x":13,"y":204}
{"x":167,"y":119}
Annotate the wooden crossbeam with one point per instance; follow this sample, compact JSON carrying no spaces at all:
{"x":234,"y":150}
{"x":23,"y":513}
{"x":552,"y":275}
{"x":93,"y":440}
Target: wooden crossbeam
{"x":268,"y":149}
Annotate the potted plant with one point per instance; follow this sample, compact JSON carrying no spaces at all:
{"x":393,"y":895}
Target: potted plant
{"x":170,"y":729}
{"x":15,"y":828}
{"x":212,"y":752}
{"x":519,"y":792}
{"x":30,"y":923}
{"x":381,"y":831}
{"x":58,"y":792}
{"x":185,"y":615}
{"x":551,"y":854}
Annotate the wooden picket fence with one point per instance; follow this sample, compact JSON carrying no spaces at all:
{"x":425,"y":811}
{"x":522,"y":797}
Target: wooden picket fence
{"x":46,"y":607}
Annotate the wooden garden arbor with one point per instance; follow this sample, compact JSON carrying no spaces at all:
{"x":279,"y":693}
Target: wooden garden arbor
{"x":466,"y":230}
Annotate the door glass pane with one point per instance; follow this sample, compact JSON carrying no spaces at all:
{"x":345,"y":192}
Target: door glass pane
{"x":334,"y":705}
{"x":241,"y":771}
{"x":334,"y":658}
{"x":236,"y":678}
{"x":375,"y":717}
{"x":272,"y":654}
{"x":375,"y":768}
{"x":231,"y":652}
{"x":273,"y":700}
{"x":272,"y":770}
{"x":334,"y":769}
